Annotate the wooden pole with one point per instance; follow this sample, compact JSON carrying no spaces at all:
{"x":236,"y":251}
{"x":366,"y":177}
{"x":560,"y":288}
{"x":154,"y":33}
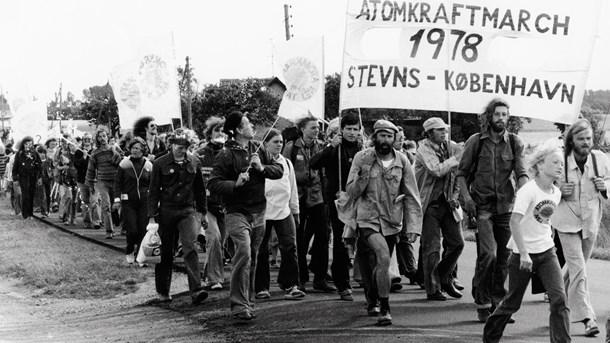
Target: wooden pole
{"x":189,"y":101}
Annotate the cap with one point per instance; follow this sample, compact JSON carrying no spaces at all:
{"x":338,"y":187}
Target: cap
{"x":434,"y":123}
{"x":384,"y":125}
{"x":180,"y":137}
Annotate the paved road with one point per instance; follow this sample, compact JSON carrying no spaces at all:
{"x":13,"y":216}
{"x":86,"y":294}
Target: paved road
{"x":323,"y":317}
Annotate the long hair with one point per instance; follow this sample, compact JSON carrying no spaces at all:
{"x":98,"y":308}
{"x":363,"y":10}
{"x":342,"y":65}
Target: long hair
{"x":489,"y":111}
{"x":210,"y":124}
{"x":539,"y":155}
{"x":139,"y":127}
{"x":97,"y":135}
{"x":576,"y":128}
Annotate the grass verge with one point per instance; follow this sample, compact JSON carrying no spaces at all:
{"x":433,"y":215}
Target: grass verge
{"x":60,"y":265}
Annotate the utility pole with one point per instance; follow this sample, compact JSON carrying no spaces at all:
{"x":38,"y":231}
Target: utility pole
{"x":287,"y":17}
{"x":60,"y":129}
{"x":189,"y":108}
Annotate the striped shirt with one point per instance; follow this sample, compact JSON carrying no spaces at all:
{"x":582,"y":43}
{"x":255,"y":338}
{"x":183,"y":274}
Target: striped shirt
{"x":102,"y":166}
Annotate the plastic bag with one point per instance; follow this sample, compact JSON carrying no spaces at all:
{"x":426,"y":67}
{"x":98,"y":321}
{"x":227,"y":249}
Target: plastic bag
{"x":150,"y":248}
{"x":346,"y":211}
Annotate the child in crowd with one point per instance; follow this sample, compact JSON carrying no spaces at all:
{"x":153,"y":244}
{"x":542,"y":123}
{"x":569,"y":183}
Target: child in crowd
{"x":533,"y":250}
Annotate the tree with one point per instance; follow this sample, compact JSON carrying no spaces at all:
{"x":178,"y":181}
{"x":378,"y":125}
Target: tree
{"x":100,"y":108}
{"x":70,"y":108}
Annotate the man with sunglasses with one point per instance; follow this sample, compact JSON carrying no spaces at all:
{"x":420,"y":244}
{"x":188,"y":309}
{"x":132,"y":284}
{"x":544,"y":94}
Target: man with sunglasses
{"x":146,"y":128}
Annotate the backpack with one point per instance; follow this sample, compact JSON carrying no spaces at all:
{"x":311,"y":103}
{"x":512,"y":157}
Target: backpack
{"x":473,"y":170}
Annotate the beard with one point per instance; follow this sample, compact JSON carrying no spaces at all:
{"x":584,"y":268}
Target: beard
{"x":383,"y":148}
{"x":497,"y":126}
{"x":583,"y":150}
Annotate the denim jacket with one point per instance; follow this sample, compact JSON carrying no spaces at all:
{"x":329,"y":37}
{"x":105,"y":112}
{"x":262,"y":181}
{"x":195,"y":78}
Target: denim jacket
{"x":387,"y":199}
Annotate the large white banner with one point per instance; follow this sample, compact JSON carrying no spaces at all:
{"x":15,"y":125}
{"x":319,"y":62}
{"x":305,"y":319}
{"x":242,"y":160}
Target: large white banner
{"x":29,"y":117}
{"x":457,"y":56}
{"x":148,"y":85}
{"x":299,"y":64}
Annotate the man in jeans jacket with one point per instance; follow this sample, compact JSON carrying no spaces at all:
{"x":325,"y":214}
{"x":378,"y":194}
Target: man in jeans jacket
{"x":239,"y":175}
{"x":177,"y":198}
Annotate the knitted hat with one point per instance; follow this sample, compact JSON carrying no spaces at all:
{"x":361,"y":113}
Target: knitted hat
{"x":233,"y":122}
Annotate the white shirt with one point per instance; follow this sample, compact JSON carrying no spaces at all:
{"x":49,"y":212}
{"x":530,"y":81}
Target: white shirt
{"x":282,"y":196}
{"x":537,"y":207}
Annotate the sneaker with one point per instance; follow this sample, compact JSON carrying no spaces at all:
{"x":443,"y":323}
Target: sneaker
{"x":346,"y":294}
{"x":109,"y":235}
{"x":324,"y":286}
{"x":130,"y":258}
{"x":263,"y":295}
{"x":395,"y":287}
{"x":591,"y":329}
{"x":384,"y":318}
{"x":96,"y":226}
{"x":294,"y":293}
{"x":164,"y":298}
{"x":216,"y":286}
{"x":483,"y":314}
{"x":373,"y":310}
{"x":199,"y":297}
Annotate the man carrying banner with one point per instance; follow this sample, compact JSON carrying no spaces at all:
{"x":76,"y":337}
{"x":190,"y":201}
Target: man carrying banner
{"x":342,"y":149}
{"x":382,"y":183}
{"x":584,"y":187}
{"x":238,"y":175}
{"x":312,"y":221}
{"x":435,"y":167}
{"x":489,"y":159}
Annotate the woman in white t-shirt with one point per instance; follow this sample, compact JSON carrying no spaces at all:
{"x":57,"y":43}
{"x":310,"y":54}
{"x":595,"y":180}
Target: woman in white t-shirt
{"x":533,"y":250}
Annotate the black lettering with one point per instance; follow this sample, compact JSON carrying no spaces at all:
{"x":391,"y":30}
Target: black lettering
{"x":438,"y":16}
{"x":413,"y":73}
{"x":350,"y":82}
{"x":455,"y":13}
{"x":551,"y":93}
{"x":424,"y":9}
{"x":400,"y":10}
{"x":524,"y":16}
{"x":384,"y":15}
{"x":473,"y":10}
{"x":374,"y":2}
{"x":369,"y":81}
{"x":362,"y":69}
{"x":475,"y":86}
{"x":537,"y":22}
{"x":448,"y":84}
{"x":507,"y":21}
{"x":493,"y":17}
{"x":461,"y":81}
{"x":412,"y":13}
{"x":365,"y":10}
{"x":503,"y":84}
{"x":557,"y":24}
{"x":487,"y":82}
{"x":567,"y":94}
{"x":535,"y":89}
{"x":385,"y":76}
{"x":516,"y":86}
{"x":402,"y":77}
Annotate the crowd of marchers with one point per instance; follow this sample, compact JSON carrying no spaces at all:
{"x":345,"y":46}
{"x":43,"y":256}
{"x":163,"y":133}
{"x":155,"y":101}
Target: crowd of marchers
{"x":239,"y":201}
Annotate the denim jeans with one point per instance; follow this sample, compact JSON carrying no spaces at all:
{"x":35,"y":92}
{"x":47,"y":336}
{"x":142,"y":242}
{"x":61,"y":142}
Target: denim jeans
{"x":28,"y":192}
{"x":340,"y":265}
{"x":407,"y":263}
{"x":546,"y":266}
{"x":439,"y":224}
{"x":288,"y":275}
{"x":104,"y":189}
{"x":492,"y":258}
{"x":215,"y":236}
{"x":246,"y":231}
{"x":135,"y":220}
{"x":577,"y":252}
{"x":313,"y":224}
{"x":174,"y":222}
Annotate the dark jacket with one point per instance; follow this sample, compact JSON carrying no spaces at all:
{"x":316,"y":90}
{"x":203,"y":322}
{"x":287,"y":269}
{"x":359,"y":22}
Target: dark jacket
{"x":207,"y":155}
{"x":27,"y":165}
{"x":309,"y":180}
{"x":80,"y":163}
{"x":328,"y":158}
{"x":176,"y":186}
{"x":229,"y":163}
{"x":132,"y":179}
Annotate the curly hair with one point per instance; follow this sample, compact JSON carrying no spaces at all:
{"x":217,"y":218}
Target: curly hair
{"x":139,"y":127}
{"x":538,"y":156}
{"x":490,"y":109}
{"x":210,"y":124}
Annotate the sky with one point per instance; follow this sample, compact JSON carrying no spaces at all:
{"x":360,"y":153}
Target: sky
{"x":78,"y":42}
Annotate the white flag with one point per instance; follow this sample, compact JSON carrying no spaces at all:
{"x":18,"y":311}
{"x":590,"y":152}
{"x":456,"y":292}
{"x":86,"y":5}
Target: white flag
{"x":29,"y":117}
{"x":299,"y":64}
{"x":148,"y":85}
